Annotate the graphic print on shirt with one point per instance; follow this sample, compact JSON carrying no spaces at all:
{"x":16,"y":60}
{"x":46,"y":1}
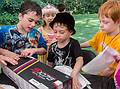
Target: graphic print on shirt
{"x":17,"y":40}
{"x":62,"y":57}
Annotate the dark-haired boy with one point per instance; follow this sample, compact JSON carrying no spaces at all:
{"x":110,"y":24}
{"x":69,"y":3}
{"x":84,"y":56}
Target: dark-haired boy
{"x":66,"y":50}
{"x":23,"y":39}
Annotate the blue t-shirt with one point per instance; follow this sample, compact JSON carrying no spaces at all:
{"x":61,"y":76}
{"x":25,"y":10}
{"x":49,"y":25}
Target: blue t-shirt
{"x":14,"y":41}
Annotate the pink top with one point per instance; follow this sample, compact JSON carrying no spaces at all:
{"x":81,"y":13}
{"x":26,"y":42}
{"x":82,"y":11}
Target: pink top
{"x":48,"y":37}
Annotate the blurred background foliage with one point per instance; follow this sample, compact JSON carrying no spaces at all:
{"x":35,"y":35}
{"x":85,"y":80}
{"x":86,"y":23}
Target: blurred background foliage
{"x":9,"y":8}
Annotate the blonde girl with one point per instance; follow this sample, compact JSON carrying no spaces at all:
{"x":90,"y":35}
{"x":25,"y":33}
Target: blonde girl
{"x":48,"y":14}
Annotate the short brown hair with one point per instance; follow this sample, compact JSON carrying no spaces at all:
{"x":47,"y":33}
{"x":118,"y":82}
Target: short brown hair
{"x":110,"y":9}
{"x":30,"y":6}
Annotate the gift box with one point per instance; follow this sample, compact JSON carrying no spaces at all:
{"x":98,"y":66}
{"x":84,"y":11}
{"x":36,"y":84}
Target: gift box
{"x":30,"y":73}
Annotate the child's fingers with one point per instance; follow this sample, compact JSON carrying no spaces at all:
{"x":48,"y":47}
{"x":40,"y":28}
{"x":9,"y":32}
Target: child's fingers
{"x":3,"y":62}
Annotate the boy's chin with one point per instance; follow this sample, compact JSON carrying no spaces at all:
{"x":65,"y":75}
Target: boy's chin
{"x":104,"y":31}
{"x":28,"y":30}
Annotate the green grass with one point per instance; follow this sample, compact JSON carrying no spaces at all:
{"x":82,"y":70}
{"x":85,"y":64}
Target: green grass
{"x":86,"y":26}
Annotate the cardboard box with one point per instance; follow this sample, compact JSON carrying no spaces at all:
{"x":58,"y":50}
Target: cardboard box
{"x":32,"y":74}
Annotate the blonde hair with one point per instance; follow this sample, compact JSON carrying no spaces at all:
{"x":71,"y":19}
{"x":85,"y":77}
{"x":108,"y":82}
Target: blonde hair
{"x":110,"y":9}
{"x":49,"y":8}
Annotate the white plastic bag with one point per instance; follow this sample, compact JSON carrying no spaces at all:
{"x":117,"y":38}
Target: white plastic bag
{"x":100,"y":62}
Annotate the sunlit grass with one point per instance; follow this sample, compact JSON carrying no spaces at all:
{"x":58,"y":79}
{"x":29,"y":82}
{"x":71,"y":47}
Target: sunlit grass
{"x":86,"y":26}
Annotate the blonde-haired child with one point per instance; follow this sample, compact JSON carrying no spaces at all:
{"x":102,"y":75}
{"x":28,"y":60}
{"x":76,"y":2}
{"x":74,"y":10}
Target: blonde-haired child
{"x":66,"y":50}
{"x":48,"y":14}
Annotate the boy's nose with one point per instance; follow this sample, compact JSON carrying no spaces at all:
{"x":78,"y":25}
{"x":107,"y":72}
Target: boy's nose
{"x":57,"y":34}
{"x":101,"y":25}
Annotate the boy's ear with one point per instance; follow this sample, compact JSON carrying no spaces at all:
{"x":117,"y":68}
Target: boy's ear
{"x":118,"y":21}
{"x":20,"y":16}
{"x":71,"y":32}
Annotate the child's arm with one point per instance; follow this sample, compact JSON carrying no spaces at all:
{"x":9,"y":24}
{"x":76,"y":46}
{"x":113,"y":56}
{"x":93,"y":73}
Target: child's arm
{"x":85,"y":44}
{"x":31,"y":51}
{"x":41,"y":47}
{"x":76,"y":71}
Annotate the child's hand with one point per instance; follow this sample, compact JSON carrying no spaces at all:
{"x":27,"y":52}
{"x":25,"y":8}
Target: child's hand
{"x":107,"y":72}
{"x":11,"y":55}
{"x":5,"y":59}
{"x":28,"y":52}
{"x":75,"y":82}
{"x":117,"y":57}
